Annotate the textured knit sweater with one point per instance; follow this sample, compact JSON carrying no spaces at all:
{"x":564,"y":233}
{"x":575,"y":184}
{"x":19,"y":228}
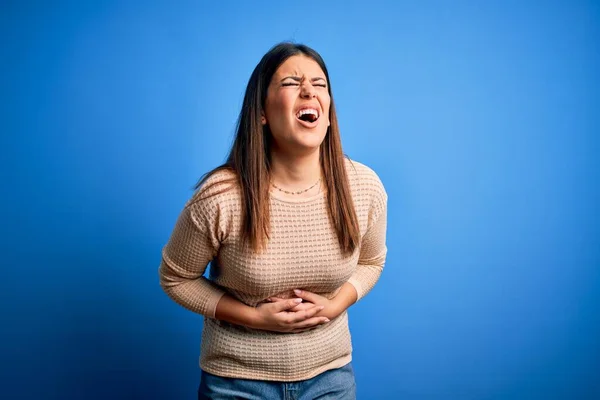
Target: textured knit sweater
{"x":302,"y":252}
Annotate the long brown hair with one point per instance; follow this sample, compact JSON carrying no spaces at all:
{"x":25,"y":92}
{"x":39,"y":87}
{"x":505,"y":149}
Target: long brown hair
{"x":249,"y":158}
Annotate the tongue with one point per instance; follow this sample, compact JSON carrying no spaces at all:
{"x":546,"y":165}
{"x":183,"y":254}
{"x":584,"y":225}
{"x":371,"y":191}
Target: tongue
{"x":308,"y":118}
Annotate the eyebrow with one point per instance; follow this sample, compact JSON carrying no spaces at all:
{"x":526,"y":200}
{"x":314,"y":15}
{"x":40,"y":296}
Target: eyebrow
{"x":298,"y":79}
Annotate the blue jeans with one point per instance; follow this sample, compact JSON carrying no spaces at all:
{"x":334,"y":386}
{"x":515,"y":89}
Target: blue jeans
{"x":335,"y":384}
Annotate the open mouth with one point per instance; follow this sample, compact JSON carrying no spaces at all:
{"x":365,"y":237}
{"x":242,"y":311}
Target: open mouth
{"x":309,"y":115}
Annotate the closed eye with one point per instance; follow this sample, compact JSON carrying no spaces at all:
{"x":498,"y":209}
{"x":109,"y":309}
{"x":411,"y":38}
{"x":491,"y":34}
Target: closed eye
{"x":289,"y":84}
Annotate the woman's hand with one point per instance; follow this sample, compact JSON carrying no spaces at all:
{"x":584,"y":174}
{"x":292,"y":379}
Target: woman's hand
{"x":332,"y":308}
{"x":280,"y":316}
{"x":329,"y":308}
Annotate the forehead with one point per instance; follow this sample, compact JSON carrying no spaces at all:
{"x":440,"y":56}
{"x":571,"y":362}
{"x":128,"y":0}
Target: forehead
{"x":300,"y":66}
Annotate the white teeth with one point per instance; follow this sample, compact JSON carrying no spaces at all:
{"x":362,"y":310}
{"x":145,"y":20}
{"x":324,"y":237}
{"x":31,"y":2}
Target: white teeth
{"x":307,"y":111}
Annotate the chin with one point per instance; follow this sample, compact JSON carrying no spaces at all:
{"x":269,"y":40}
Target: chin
{"x":312,"y":140}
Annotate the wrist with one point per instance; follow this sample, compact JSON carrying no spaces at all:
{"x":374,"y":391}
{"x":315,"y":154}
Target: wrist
{"x":253,"y":318}
{"x":335,"y":309}
{"x":346,"y":296}
{"x":234,"y":311}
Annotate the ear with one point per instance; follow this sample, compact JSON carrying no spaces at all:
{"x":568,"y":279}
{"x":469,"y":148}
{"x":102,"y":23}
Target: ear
{"x":263,"y":119}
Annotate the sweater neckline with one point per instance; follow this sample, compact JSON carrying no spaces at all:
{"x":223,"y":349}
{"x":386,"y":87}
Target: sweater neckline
{"x":277,"y":196}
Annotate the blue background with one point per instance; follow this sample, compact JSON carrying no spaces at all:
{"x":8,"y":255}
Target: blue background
{"x":481,"y":118}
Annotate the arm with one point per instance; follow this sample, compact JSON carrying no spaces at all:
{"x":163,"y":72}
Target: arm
{"x":184,"y":259}
{"x":372,"y":255}
{"x":275,"y":317}
{"x":193,"y":243}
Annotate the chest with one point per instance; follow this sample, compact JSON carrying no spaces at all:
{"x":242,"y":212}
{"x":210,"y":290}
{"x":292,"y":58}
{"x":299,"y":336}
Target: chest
{"x":302,"y":252}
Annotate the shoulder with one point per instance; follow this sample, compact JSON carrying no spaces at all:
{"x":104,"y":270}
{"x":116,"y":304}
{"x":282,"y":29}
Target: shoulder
{"x":368,"y":193}
{"x":217,"y":181}
{"x":217,"y":190}
{"x":363,"y":178}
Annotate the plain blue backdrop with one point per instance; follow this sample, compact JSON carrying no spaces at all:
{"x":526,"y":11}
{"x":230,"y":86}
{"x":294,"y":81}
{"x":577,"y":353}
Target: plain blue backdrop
{"x":481,"y":118}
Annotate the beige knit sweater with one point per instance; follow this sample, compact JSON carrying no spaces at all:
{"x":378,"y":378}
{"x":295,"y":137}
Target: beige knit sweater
{"x":303,"y":252}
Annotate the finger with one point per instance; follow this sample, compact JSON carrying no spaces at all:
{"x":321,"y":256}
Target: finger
{"x":285,"y":305}
{"x":302,"y":306}
{"x":306,"y":295}
{"x":274,"y":299}
{"x":299,"y":316}
{"x":311,"y":323}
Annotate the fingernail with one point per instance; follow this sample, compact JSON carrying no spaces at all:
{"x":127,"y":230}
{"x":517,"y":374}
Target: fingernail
{"x":321,"y":307}
{"x":326,"y":320}
{"x":298,"y":292}
{"x":298,"y":300}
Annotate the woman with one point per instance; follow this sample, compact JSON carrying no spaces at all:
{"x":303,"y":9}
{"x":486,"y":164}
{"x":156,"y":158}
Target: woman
{"x":295,"y":234}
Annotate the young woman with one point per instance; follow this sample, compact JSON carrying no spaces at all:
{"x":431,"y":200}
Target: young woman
{"x":294,"y":233}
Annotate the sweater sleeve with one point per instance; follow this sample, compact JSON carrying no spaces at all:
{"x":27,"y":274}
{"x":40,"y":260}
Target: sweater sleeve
{"x":373,"y":248}
{"x":193,"y":244}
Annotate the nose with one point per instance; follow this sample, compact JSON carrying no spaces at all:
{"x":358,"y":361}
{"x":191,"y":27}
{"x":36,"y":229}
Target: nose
{"x":308,"y":91}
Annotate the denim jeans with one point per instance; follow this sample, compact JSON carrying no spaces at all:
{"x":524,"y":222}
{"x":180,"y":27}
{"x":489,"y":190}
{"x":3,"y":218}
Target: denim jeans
{"x":335,"y":384}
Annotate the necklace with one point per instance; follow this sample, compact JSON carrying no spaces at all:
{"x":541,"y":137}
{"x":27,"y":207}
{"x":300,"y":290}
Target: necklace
{"x":298,"y":192}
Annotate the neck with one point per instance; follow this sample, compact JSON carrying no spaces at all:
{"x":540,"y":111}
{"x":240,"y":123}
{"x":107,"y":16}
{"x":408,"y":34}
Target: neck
{"x":295,"y":172}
